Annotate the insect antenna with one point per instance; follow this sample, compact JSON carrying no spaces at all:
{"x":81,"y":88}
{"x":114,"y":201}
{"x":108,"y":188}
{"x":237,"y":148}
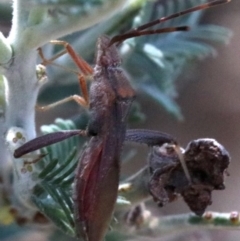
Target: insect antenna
{"x":138,"y":31}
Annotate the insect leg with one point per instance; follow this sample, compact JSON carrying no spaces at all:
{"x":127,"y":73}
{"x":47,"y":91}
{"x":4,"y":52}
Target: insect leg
{"x":157,"y":138}
{"x":46,"y":140}
{"x":84,"y":67}
{"x":149,"y":137}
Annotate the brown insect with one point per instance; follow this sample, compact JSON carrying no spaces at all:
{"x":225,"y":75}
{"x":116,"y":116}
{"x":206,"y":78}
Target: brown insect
{"x":109,"y":101}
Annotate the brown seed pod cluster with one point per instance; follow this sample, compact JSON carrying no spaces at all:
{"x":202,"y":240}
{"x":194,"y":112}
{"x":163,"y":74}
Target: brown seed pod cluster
{"x":206,"y":160}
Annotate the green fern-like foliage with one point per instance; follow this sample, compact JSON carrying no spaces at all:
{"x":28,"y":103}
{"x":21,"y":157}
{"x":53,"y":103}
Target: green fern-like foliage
{"x":53,"y":195}
{"x":157,"y":60}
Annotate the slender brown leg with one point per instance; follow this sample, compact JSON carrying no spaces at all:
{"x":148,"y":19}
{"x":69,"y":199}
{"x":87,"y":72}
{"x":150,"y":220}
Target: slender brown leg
{"x":84,"y":67}
{"x":80,"y":100}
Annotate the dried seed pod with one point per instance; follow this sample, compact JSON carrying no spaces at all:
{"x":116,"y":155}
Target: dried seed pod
{"x":206,"y":160}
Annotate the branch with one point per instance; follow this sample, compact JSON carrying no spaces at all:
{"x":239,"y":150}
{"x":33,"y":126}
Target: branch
{"x":185,"y":222}
{"x":40,"y":23}
{"x":153,"y":226}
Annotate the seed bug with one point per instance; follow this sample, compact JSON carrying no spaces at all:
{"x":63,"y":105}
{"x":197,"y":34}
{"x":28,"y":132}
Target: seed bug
{"x":109,"y":101}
